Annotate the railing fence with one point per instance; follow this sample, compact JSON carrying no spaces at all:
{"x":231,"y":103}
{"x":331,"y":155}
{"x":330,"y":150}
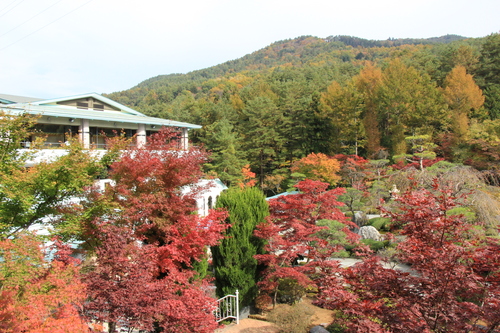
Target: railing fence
{"x":228,"y":307}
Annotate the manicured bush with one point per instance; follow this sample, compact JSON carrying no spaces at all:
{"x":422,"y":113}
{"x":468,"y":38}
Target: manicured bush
{"x":335,"y":235}
{"x":291,"y":318}
{"x":289,"y":291}
{"x":380,"y":223}
{"x":375,"y":245}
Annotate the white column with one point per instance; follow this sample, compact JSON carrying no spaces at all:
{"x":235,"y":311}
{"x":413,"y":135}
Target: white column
{"x":141,"y":135}
{"x":84,"y":133}
{"x":185,"y":139}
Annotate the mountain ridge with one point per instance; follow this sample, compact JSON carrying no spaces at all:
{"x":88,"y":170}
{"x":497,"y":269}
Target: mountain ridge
{"x":291,"y":46}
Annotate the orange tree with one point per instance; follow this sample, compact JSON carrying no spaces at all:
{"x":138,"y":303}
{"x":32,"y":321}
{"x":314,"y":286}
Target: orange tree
{"x":463,"y":97}
{"x":319,"y":167}
{"x":38,"y":295}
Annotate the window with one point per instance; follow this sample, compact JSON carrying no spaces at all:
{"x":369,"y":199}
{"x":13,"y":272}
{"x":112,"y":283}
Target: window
{"x":89,"y":104}
{"x":82,"y":105}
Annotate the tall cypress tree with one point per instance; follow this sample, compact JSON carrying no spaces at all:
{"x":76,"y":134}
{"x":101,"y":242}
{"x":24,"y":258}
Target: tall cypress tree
{"x":233,"y":260}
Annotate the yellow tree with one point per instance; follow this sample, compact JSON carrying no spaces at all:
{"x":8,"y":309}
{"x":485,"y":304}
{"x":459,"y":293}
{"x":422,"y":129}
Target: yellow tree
{"x":344,"y":107}
{"x":462,"y":95}
{"x":318,"y":167}
{"x":466,"y":56}
{"x":368,"y":84}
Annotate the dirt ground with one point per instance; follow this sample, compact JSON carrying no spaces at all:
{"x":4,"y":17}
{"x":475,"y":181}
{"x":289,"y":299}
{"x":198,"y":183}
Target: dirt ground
{"x":320,"y":316}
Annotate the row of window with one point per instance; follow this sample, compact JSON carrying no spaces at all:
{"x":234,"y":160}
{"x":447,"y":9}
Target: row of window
{"x":57,"y":135}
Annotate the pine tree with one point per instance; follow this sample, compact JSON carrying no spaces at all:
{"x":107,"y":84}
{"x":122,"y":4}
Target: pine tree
{"x":227,"y":156}
{"x":487,"y":74}
{"x":234,"y":262}
{"x":261,"y":127}
{"x":410,"y":104}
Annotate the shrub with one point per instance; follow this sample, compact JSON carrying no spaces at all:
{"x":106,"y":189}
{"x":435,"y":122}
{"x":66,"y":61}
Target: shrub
{"x":334,"y":233}
{"x":469,"y":215}
{"x":336,"y":328}
{"x":289,"y":291}
{"x":233,"y":258}
{"x":342,"y":254}
{"x":291,"y":318}
{"x":380,"y":223}
{"x":263,"y":302}
{"x":375,"y":245}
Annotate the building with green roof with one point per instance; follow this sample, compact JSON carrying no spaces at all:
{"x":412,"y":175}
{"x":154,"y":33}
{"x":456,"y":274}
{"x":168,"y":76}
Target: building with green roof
{"x":90,"y":117}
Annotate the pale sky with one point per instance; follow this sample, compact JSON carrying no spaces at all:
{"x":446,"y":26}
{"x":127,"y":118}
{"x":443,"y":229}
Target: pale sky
{"x":60,"y":48}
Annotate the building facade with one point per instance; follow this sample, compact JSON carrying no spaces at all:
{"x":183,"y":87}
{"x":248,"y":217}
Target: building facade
{"x":89,"y":117}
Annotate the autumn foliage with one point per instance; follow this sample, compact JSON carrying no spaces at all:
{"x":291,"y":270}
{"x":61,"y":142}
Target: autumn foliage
{"x":318,"y":167}
{"x":128,"y":286}
{"x":38,"y":296}
{"x":453,"y":284}
{"x":354,"y":170}
{"x":463,"y":97}
{"x":291,"y":233}
{"x":248,"y":177}
{"x":148,"y":242}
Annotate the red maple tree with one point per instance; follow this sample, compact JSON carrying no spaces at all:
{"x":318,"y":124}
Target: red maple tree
{"x":149,"y":240}
{"x":453,"y":284}
{"x":291,"y":232}
{"x":354,"y":170}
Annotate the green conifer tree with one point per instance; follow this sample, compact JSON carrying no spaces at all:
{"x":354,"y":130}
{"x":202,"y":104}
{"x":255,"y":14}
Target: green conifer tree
{"x":488,"y":74}
{"x":233,"y":260}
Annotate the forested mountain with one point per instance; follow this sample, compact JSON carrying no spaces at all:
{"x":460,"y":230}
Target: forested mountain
{"x":333,"y":95}
{"x":298,"y":51}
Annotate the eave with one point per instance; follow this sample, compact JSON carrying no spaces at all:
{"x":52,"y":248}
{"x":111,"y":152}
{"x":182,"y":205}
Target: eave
{"x":109,"y":116}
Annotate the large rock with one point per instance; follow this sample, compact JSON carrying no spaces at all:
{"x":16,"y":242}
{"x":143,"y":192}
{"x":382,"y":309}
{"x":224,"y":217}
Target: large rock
{"x":318,"y":329}
{"x":360,"y":219}
{"x":369,"y":232}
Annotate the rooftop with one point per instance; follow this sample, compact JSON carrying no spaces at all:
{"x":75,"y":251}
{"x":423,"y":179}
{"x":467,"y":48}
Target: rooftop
{"x":60,"y":107}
